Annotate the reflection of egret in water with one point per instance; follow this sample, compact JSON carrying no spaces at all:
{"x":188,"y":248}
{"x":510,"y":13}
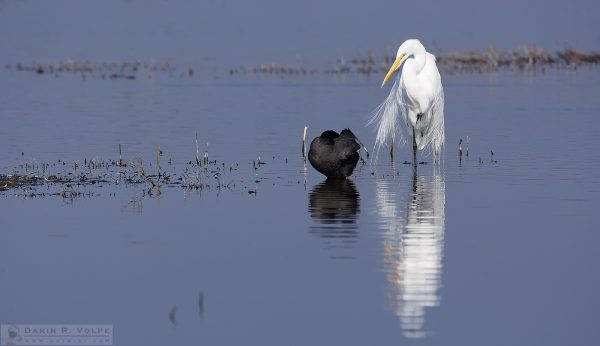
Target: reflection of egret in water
{"x":414,"y":241}
{"x":335,"y":205}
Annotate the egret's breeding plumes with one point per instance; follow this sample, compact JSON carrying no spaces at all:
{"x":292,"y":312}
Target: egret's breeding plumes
{"x":416,"y":101}
{"x":335,"y":155}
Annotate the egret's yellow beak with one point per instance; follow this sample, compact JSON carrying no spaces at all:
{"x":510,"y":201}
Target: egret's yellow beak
{"x":394,"y":67}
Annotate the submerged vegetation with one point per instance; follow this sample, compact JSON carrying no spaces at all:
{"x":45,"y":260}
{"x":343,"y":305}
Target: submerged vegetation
{"x":85,"y":178}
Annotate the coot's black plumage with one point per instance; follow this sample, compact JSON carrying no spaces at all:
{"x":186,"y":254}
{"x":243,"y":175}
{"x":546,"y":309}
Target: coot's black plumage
{"x":334,"y":155}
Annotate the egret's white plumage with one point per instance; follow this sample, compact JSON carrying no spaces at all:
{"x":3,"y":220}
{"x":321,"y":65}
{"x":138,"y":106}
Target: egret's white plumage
{"x":416,"y":101}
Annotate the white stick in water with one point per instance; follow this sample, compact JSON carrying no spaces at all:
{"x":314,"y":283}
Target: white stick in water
{"x":304,"y":142}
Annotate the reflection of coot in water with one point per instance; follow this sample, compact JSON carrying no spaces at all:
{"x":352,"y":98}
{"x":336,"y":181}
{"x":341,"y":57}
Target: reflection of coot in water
{"x":335,"y":205}
{"x":334,"y":155}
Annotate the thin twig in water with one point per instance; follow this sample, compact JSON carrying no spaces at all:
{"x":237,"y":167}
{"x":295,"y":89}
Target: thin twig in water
{"x":201,"y":304}
{"x":120,"y":157}
{"x":206,"y":156}
{"x":158,"y":152}
{"x":197,"y":151}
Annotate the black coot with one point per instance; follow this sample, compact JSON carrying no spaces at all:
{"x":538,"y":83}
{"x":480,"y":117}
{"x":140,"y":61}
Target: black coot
{"x":334,"y":155}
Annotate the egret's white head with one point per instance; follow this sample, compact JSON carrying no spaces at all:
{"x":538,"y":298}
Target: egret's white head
{"x":407,"y":48}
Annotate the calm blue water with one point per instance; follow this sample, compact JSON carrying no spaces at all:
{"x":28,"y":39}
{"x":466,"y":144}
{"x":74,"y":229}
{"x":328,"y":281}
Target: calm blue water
{"x":479,"y":252}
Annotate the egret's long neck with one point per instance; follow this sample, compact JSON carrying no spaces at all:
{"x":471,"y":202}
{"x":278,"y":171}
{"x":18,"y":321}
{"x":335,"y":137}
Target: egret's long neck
{"x":419,"y":56}
{"x":413,"y":85}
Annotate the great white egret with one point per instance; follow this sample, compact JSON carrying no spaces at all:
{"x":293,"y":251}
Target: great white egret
{"x":416,"y":101}
{"x":335,"y":155}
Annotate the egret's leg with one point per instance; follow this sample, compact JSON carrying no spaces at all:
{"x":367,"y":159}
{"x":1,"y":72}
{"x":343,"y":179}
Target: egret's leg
{"x":414,"y":148}
{"x":393,"y":144}
{"x":414,"y":183}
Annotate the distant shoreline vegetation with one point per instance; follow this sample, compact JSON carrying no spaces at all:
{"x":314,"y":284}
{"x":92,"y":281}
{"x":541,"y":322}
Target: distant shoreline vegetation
{"x":122,"y":70}
{"x":523,"y":59}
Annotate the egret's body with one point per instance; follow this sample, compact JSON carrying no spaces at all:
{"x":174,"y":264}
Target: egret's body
{"x":416,"y":101}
